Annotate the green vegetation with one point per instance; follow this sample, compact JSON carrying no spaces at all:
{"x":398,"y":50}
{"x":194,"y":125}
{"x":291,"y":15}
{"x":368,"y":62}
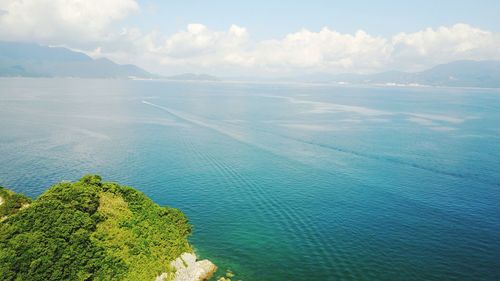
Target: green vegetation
{"x":91,"y":230}
{"x":11,"y":203}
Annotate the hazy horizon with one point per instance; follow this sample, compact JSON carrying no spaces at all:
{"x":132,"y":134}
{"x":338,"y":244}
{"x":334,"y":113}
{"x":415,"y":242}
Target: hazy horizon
{"x":261,"y":39}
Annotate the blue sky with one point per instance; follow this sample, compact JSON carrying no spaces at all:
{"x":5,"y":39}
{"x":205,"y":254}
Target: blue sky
{"x":271,"y":18}
{"x":266,"y":38}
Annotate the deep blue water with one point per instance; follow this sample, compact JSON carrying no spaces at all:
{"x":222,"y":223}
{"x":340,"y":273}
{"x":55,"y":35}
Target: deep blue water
{"x":281,"y":182}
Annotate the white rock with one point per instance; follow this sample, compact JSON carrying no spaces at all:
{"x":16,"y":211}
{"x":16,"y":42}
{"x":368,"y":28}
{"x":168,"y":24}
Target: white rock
{"x":188,"y":269}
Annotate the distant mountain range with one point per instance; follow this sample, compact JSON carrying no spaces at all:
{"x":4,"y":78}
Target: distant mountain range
{"x":484,"y":74}
{"x":32,"y":60}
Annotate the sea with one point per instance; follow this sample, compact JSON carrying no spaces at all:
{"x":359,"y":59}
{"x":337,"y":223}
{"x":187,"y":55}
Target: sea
{"x":281,"y":181}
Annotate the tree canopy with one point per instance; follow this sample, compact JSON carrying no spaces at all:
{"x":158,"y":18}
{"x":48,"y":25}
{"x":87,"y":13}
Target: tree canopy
{"x":91,"y":230}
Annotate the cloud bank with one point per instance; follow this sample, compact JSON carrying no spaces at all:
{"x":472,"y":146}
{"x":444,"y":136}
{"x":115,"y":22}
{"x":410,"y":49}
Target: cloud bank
{"x":61,"y":21}
{"x":97,"y":27}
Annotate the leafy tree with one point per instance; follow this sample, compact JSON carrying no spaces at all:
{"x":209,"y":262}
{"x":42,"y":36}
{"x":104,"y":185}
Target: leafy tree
{"x":90,"y":230}
{"x":11,"y":202}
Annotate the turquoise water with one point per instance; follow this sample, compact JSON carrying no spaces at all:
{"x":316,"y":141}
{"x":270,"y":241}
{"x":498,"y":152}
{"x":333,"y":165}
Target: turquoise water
{"x":281,"y":182}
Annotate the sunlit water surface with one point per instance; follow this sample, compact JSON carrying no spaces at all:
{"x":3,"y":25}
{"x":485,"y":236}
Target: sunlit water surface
{"x":281,"y":182}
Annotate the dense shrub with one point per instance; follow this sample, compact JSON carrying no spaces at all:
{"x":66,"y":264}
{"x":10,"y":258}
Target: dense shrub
{"x":91,"y":230}
{"x":11,"y":202}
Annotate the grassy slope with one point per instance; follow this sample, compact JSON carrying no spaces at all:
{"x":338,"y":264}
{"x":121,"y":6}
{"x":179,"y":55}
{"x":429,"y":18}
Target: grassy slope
{"x":91,"y":230}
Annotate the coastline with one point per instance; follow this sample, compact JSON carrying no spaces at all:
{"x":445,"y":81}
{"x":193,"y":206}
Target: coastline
{"x":121,"y":235}
{"x":187,"y":268}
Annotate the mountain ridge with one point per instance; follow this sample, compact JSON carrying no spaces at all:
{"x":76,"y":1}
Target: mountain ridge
{"x":32,"y":60}
{"x":463,"y":73}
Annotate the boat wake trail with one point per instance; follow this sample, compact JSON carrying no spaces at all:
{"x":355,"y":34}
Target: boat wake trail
{"x":273,"y":142}
{"x":197,"y":121}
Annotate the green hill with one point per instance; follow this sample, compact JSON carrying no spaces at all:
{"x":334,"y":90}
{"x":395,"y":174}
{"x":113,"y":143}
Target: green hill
{"x":89,"y":230}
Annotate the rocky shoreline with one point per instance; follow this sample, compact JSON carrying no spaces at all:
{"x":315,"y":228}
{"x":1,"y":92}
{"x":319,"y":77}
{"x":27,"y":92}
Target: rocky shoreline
{"x":187,"y":268}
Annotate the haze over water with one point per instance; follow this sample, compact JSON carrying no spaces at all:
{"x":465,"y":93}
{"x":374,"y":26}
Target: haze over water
{"x":281,"y":181}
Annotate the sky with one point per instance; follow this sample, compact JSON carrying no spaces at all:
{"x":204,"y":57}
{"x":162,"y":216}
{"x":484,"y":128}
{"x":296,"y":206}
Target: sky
{"x":261,"y":38}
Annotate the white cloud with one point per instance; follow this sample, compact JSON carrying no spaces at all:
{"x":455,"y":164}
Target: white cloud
{"x":198,"y":41}
{"x":326,"y":50}
{"x":97,"y":27}
{"x":323,"y":50}
{"x":444,"y":44}
{"x":61,"y":21}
